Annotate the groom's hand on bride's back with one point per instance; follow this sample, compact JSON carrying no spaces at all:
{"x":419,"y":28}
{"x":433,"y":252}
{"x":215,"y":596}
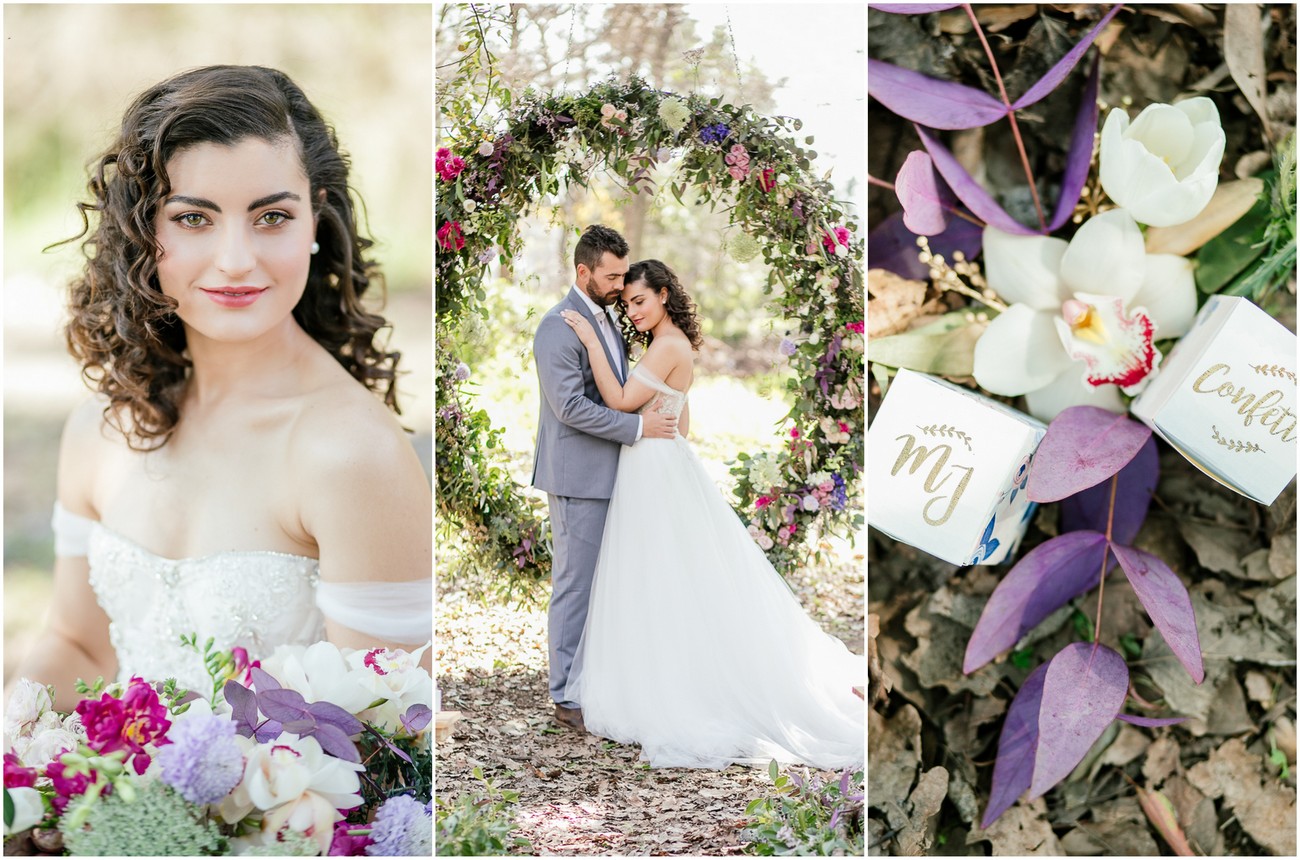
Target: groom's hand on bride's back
{"x":656,"y":425}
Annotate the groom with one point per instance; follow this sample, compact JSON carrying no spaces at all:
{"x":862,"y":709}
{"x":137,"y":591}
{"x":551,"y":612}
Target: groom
{"x":578,"y":443}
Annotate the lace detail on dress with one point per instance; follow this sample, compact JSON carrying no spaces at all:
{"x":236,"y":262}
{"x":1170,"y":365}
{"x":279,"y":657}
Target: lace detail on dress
{"x":668,"y":401}
{"x":257,"y":600}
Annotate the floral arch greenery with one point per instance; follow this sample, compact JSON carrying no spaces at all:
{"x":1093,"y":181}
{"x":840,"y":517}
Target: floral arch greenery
{"x":490,"y":172}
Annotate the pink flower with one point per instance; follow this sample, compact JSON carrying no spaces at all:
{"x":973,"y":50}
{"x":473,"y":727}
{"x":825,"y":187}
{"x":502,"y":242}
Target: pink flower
{"x":840,"y":237}
{"x":449,"y":166}
{"x":17,"y":776}
{"x":346,"y":845}
{"x":826,"y":486}
{"x":762,"y":502}
{"x":794,"y":432}
{"x":858,"y":327}
{"x":450,"y":237}
{"x":68,"y":784}
{"x":128,"y":723}
{"x":844,"y":428}
{"x":738,"y":159}
{"x":767,"y":180}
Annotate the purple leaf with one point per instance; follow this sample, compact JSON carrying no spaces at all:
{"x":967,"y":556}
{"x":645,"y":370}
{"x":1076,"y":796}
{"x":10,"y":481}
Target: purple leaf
{"x":1079,"y":159}
{"x":243,"y":707}
{"x":1057,"y":73}
{"x":331,"y":714}
{"x":269,"y":730}
{"x":891,"y":246}
{"x":911,"y":8}
{"x":1090,"y":508}
{"x":1084,"y":446}
{"x":263,"y":681}
{"x":1016,"y":746}
{"x":284,"y":705}
{"x":1151,"y":722}
{"x":968,"y":191}
{"x":418,"y":716}
{"x":923,"y":197}
{"x":300,"y":727}
{"x":1084,"y":690}
{"x":335,"y":742}
{"x":1048,"y":577}
{"x":1166,"y":600}
{"x":930,"y":101}
{"x":389,"y":744}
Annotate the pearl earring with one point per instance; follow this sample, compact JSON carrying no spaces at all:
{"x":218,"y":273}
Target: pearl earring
{"x":315,"y":247}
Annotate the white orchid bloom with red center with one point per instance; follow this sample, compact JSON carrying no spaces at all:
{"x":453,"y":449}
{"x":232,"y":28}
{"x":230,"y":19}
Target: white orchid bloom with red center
{"x":1083,"y":315}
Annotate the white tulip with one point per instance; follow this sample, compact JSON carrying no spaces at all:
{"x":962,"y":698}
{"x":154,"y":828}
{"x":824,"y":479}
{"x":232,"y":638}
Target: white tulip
{"x":1163,"y":167}
{"x":28,"y":809}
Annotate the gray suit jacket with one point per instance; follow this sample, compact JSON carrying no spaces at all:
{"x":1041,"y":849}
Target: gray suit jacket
{"x":578,"y":437}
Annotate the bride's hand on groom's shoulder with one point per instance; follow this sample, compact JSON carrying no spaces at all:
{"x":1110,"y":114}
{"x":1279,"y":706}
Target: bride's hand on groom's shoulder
{"x":580,"y":326}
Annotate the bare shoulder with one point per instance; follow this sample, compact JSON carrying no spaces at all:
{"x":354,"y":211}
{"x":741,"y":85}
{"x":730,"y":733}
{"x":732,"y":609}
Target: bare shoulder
{"x":343,"y":428}
{"x":87,"y":440}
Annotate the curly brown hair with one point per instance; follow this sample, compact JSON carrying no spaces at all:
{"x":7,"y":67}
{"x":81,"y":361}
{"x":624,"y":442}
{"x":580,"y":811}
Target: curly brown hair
{"x":681,"y":309}
{"x":122,"y":327}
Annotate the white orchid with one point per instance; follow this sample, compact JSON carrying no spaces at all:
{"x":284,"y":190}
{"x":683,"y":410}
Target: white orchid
{"x":1083,"y":317}
{"x":321,"y":674}
{"x":397,"y":678}
{"x":1163,"y":167}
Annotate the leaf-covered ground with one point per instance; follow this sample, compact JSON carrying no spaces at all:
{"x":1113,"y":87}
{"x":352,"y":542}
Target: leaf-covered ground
{"x":580,"y":794}
{"x":933,"y":731}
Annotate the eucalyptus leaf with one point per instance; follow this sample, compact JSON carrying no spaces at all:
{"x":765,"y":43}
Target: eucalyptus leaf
{"x":951,"y":353}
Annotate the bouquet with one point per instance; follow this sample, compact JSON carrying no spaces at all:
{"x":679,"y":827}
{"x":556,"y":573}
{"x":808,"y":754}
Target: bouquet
{"x":314,"y":750}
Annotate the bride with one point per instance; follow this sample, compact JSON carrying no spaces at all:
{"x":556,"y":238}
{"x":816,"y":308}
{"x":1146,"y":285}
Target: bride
{"x":235,"y":475}
{"x":694,"y":646}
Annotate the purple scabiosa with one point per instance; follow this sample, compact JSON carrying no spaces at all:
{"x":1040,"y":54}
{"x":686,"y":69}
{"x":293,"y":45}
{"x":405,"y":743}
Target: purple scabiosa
{"x":403,"y":827}
{"x":788,"y":347}
{"x":203,"y":762}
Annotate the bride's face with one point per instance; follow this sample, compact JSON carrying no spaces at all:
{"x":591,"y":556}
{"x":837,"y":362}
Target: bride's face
{"x":643,"y":306}
{"x":235,"y":234}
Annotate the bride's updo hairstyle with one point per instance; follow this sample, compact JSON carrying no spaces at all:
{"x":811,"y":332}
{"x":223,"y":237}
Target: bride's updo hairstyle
{"x":680,"y":308}
{"x":123,"y":329}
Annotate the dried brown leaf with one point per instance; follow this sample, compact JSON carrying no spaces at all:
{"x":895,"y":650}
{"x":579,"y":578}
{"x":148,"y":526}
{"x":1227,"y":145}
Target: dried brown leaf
{"x":1243,"y":48}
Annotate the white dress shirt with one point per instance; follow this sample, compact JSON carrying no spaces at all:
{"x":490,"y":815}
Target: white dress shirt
{"x":605,"y":327}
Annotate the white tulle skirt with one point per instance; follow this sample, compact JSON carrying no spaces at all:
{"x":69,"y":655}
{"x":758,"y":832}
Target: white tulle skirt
{"x":694,"y":646}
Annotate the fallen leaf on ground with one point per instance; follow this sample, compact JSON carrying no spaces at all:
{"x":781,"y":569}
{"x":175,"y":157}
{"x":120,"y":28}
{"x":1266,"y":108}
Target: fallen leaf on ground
{"x":1265,"y":808}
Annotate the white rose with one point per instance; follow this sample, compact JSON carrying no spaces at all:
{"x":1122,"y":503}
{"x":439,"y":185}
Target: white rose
{"x":470,"y":205}
{"x":28,"y":809}
{"x":1164,"y":167}
{"x":486,"y":148}
{"x":49,"y":745}
{"x":27,"y":702}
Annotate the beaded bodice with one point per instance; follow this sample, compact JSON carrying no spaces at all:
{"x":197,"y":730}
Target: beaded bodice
{"x":668,"y":401}
{"x":257,"y":600}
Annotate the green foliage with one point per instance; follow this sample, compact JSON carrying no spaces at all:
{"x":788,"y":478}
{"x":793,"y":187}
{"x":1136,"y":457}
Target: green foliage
{"x":807,"y":817}
{"x":1257,"y":254}
{"x":478,"y":823}
{"x":387,"y":774}
{"x":515,"y":150}
{"x":136,"y":827}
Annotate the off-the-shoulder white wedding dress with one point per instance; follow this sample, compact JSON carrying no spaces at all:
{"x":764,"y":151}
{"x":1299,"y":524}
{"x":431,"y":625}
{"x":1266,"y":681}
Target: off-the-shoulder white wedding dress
{"x":695,"y":647}
{"x":257,"y":600}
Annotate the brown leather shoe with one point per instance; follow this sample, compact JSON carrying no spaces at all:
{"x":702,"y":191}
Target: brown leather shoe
{"x":571,"y":717}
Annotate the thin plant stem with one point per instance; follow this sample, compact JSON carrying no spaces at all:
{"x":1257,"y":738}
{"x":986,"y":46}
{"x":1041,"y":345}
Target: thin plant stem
{"x":1105,"y":555}
{"x":1011,"y":115}
{"x":871,"y":180}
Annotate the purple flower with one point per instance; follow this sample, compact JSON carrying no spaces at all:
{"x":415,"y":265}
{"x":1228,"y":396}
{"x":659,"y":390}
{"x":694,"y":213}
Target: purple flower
{"x":69,"y":783}
{"x":714,"y":133}
{"x":402,"y":828}
{"x":788,"y":346}
{"x":203,"y":762}
{"x":462,"y":372}
{"x":839,"y":496}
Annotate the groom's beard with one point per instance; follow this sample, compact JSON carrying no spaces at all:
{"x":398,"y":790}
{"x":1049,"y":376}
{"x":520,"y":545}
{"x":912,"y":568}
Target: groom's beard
{"x":590,"y":289}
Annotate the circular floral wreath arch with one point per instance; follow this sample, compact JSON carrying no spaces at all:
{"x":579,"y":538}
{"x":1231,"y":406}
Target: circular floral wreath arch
{"x":489,"y":176}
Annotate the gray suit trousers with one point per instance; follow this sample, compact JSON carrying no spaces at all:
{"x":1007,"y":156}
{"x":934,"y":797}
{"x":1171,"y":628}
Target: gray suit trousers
{"x":576,"y":529}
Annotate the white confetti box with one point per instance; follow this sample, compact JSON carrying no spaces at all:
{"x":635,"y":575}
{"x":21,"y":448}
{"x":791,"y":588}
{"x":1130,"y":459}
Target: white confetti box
{"x":947,"y":468}
{"x":1225,"y":398}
